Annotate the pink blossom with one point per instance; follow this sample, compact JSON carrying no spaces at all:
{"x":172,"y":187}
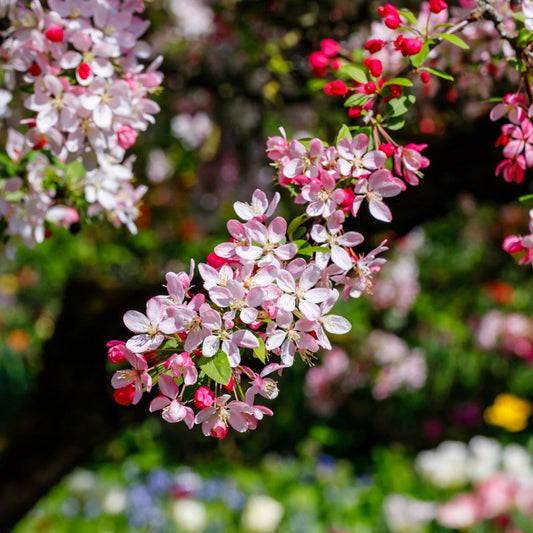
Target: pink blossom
{"x":380,"y":184}
{"x":150,"y":328}
{"x":408,"y":161}
{"x":355,"y":159}
{"x":182,"y":365}
{"x":137,"y":376}
{"x":222,"y":413}
{"x":173,"y":410}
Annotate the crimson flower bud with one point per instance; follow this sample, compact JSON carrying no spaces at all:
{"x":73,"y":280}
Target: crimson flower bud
{"x":115,"y":351}
{"x":55,"y":33}
{"x":336,"y":88}
{"x":329,"y":47}
{"x":436,"y":6}
{"x":370,"y":87}
{"x":375,"y":66}
{"x":35,"y":69}
{"x":374,"y":45}
{"x":335,"y":64}
{"x":424,"y":76}
{"x":84,"y":71}
{"x":230,"y":385}
{"x":395,"y":90}
{"x":215,"y":260}
{"x":355,"y":111}
{"x":390,"y":16}
{"x":204,"y":397}
{"x":124,"y":396}
{"x":347,"y":202}
{"x":318,"y":61}
{"x":387,"y":148}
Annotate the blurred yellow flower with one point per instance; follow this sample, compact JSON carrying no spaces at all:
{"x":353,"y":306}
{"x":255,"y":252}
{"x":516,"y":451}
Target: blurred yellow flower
{"x":509,"y":412}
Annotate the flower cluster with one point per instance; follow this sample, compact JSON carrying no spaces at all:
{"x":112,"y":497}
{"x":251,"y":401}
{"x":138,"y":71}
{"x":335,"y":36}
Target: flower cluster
{"x":516,"y":137}
{"x":507,"y":332}
{"x":501,"y":480}
{"x":334,"y":180}
{"x":88,"y":97}
{"x":261,"y":299}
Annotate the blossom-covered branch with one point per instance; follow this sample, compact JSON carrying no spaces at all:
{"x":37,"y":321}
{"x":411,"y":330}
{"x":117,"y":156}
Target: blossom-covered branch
{"x":74,"y":67}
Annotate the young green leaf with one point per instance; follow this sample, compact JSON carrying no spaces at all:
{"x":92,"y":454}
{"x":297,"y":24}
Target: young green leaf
{"x":216,"y":367}
{"x":454,"y":39}
{"x":356,"y":99}
{"x":296,"y":223}
{"x":439,"y":73}
{"x":356,"y":73}
{"x":404,"y":82}
{"x":409,"y":16}
{"x":260,"y":352}
{"x":344,"y":133}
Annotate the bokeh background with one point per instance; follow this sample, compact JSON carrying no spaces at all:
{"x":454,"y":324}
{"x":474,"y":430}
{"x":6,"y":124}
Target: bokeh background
{"x":439,"y":353}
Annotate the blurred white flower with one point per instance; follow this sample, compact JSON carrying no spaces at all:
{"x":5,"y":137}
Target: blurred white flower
{"x":190,"y":515}
{"x":262,"y":514}
{"x":404,"y":514}
{"x":191,"y":130}
{"x":446,"y":466}
{"x":114,"y":501}
{"x":485,"y":455}
{"x":194,"y":19}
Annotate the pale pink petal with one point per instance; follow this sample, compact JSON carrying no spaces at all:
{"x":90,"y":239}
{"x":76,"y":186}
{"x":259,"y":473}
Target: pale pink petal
{"x":136,"y":321}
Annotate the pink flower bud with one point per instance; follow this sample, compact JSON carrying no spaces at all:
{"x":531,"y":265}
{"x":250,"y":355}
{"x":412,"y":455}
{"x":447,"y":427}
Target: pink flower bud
{"x":115,"y":351}
{"x":55,"y":33}
{"x":126,"y":137}
{"x":512,"y":244}
{"x":204,"y":397}
{"x":219,"y":430}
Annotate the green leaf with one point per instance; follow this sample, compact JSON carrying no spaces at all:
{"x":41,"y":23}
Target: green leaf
{"x":454,"y":39}
{"x":525,"y":36}
{"x":407,"y":15}
{"x":418,"y":59}
{"x":260,"y":352}
{"x":344,"y":133}
{"x":216,"y":367}
{"x":399,"y":106}
{"x":396,"y":123}
{"x":356,"y":99}
{"x":439,"y":73}
{"x":404,"y":82}
{"x":296,"y":223}
{"x":526,"y":198}
{"x":516,"y":63}
{"x":356,"y":73}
